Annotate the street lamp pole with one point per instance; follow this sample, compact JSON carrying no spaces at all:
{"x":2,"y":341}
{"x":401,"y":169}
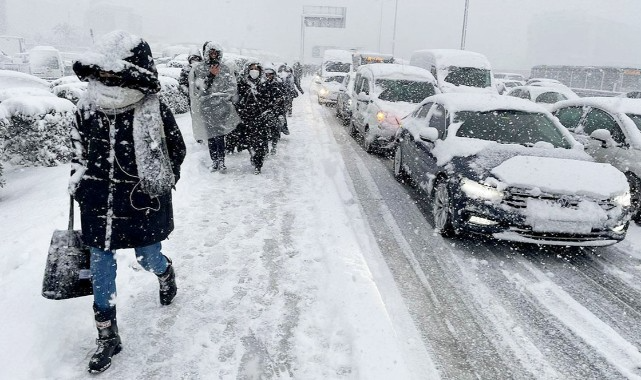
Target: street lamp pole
{"x":463,"y":35}
{"x":302,"y":38}
{"x":394,"y":34}
{"x":380,"y":27}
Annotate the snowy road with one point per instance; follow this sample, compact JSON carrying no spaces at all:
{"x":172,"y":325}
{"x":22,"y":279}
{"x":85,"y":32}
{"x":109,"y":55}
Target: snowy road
{"x":493,"y":310}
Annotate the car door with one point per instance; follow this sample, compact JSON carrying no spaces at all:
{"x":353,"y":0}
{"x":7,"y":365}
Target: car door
{"x":409,"y":145}
{"x":597,"y":118}
{"x":425,"y":161}
{"x":361,"y":109}
{"x":341,"y":98}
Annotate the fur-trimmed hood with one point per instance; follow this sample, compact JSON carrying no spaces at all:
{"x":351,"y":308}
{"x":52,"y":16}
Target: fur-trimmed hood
{"x":121,"y":53}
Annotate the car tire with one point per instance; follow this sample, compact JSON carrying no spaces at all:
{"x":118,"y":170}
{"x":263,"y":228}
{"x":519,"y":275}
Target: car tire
{"x":442,"y":209}
{"x":399,"y":173}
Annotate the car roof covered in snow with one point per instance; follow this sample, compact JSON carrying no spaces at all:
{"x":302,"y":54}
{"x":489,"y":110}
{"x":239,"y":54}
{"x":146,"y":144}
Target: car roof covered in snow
{"x":398,"y":72}
{"x":613,"y":105}
{"x":337,"y":55}
{"x":9,"y":79}
{"x":458,"y":58}
{"x":538,"y":90}
{"x":456,"y":102}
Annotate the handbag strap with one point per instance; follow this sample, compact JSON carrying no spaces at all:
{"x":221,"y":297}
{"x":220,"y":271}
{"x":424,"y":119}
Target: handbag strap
{"x":70,"y":213}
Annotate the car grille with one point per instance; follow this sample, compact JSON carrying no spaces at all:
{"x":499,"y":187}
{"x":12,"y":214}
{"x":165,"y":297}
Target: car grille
{"x":518,"y":197}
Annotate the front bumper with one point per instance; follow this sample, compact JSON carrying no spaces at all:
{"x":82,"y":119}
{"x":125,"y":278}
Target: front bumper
{"x":504,"y":222}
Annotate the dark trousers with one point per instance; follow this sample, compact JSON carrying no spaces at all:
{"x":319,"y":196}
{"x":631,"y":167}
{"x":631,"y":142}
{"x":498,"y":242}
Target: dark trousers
{"x":217,"y":149}
{"x":257,"y":138}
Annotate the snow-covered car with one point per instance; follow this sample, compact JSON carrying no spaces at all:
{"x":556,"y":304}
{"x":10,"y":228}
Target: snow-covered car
{"x":171,"y":94}
{"x":545,"y":82}
{"x":504,"y":85}
{"x":504,"y":167}
{"x":316,"y":83}
{"x":329,"y":88}
{"x":509,"y":77}
{"x":609,"y":128}
{"x":178,"y":61}
{"x":172,"y":72}
{"x":14,"y":79}
{"x":344,"y":99}
{"x":544,"y":96}
{"x":383,"y":94}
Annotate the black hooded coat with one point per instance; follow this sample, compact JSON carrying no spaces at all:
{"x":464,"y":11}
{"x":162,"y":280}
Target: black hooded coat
{"x":115,"y":212}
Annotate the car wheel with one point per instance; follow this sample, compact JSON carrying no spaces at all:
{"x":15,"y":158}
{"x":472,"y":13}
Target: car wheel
{"x":399,"y":173}
{"x":635,"y":197}
{"x":352,"y":129}
{"x":442,"y":209}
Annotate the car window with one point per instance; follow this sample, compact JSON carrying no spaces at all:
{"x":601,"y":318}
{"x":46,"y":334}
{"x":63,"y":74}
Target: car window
{"x":524,"y":94}
{"x":404,"y":90}
{"x":570,"y":116}
{"x":550,"y":97}
{"x":469,"y":76}
{"x":599,"y":119}
{"x":358,"y":83}
{"x":514,"y":93}
{"x":438,"y":120}
{"x":510,"y":127}
{"x":365,"y":86}
{"x":337,"y":78}
{"x":421,"y":112}
{"x":636,"y":119}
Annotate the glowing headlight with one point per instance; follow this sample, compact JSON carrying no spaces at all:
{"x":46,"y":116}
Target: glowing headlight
{"x":477,"y":190}
{"x":380,"y":116}
{"x":622,"y":200}
{"x":323,"y":91}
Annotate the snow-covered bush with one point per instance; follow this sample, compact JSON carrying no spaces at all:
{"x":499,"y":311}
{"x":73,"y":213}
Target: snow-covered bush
{"x":171,"y":95}
{"x":35,"y":130}
{"x":1,"y":179}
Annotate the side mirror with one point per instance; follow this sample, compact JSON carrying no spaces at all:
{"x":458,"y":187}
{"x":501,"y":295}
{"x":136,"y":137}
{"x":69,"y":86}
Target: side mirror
{"x":428,"y":134}
{"x":363,"y":97}
{"x":604,"y":136}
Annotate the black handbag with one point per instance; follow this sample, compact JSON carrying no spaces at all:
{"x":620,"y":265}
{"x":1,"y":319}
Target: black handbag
{"x":67,"y":274}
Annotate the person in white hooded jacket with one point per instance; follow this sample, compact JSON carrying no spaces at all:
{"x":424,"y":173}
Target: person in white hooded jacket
{"x":212,"y":91}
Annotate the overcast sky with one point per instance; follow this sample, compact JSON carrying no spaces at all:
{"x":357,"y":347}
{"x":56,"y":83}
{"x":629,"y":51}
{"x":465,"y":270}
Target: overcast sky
{"x":514,"y":34}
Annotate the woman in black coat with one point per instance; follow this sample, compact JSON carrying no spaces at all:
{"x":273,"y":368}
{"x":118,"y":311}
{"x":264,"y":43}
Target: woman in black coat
{"x":127,"y":156}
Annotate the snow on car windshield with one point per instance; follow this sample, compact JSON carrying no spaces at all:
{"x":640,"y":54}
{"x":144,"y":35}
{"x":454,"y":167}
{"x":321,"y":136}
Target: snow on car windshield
{"x":510,"y":127}
{"x":636,"y":119}
{"x":469,"y":76}
{"x":404,"y":90}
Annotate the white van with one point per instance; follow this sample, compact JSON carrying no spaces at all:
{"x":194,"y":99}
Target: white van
{"x":336,"y":61}
{"x":45,"y":62}
{"x":456,"y":70}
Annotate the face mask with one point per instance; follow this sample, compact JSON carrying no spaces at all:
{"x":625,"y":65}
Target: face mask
{"x":254,"y":74}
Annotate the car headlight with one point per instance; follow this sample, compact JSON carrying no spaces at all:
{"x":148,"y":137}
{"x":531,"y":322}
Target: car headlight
{"x":380,"y":116}
{"x":324,"y":91}
{"x":477,"y":190}
{"x":622,"y":200}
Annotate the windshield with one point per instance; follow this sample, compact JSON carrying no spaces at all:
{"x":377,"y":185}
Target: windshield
{"x":510,"y":127}
{"x":550,"y":97}
{"x":337,"y":78}
{"x":337,"y":67}
{"x":636,"y":119}
{"x":469,"y":76}
{"x":44,"y":59}
{"x":404,"y":90}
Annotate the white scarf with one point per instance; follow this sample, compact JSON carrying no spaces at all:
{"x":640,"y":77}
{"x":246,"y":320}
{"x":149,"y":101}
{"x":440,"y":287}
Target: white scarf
{"x":112,"y":97}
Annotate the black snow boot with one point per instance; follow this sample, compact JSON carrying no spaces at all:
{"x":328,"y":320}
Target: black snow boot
{"x":168,"y":286}
{"x":108,"y":341}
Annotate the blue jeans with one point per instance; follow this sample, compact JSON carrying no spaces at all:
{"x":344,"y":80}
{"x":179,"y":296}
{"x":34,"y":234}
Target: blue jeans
{"x":103,"y":270}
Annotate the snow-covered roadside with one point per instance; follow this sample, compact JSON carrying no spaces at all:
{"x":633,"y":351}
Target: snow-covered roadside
{"x":271,"y":272}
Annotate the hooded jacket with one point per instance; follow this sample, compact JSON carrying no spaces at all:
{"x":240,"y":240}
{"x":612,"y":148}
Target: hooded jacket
{"x":212,"y":111}
{"x":115,"y":212}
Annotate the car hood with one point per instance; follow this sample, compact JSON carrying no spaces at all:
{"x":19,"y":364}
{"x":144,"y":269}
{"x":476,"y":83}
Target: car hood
{"x":561,"y":176}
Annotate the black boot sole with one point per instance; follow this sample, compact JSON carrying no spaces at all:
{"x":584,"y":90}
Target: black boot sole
{"x":103,"y":369}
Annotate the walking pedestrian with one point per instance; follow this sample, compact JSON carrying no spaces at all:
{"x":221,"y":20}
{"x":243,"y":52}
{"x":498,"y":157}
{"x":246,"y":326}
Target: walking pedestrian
{"x":251,"y":108}
{"x":286,"y":75}
{"x":274,"y":113}
{"x":213,"y":89}
{"x":127,"y":156}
